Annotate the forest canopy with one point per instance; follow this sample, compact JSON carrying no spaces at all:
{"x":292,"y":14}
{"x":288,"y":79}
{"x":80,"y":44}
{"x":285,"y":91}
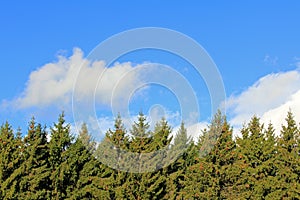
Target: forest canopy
{"x":255,"y":165}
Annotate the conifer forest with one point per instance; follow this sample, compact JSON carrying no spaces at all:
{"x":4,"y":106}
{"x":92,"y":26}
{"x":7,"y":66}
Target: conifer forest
{"x":257,"y":164}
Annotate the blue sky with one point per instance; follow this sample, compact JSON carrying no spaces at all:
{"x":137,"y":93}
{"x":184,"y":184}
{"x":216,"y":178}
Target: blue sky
{"x":255,"y":46}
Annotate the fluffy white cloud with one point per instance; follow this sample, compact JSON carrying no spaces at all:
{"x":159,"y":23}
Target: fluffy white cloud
{"x":52,"y":84}
{"x":269,"y":98}
{"x":278,"y":114}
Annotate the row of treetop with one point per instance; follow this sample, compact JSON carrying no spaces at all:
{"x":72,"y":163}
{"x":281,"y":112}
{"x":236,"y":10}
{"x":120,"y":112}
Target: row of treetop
{"x":139,"y":163}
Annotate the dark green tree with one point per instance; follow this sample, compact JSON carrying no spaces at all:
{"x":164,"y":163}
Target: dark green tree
{"x":86,"y":139}
{"x":58,"y":146}
{"x":209,"y":178}
{"x":288,"y":162}
{"x":149,"y":153}
{"x":11,"y":158}
{"x":250,"y":151}
{"x":140,"y":143}
{"x":257,"y":155}
{"x":83,"y":170}
{"x":35,"y":169}
{"x":183,"y":154}
{"x":112,"y":151}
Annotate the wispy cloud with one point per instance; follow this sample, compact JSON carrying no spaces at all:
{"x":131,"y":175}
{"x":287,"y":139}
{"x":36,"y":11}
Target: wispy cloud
{"x":270,"y":60}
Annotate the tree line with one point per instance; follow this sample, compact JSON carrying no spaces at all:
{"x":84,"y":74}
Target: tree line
{"x":255,"y":165}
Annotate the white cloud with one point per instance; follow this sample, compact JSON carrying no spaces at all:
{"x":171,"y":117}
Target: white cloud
{"x":52,"y":84}
{"x":269,"y":98}
{"x":195,"y":130}
{"x":277,"y":115}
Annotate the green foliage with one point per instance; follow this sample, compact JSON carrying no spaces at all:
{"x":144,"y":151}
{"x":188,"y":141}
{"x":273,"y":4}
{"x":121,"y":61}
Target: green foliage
{"x":11,"y":158}
{"x":288,"y":161}
{"x":35,"y":169}
{"x":255,"y":165}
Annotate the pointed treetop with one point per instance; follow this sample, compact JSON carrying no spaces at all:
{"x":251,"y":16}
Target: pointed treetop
{"x":141,"y":127}
{"x":182,"y":136}
{"x":6,"y":131}
{"x":119,"y":123}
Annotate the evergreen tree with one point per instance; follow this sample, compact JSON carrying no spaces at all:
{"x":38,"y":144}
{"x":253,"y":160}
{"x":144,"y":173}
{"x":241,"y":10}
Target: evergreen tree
{"x":150,"y":154}
{"x":197,"y":183}
{"x":113,"y":152}
{"x":269,"y":168}
{"x":257,"y":165}
{"x":250,"y":153}
{"x":209,"y":178}
{"x":58,"y":145}
{"x":184,"y":152}
{"x":257,"y":157}
{"x":222,"y":156}
{"x":160,"y":144}
{"x":181,"y":148}
{"x":210,"y":135}
{"x":288,"y":162}
{"x":83,"y":170}
{"x":6,"y":148}
{"x":86,"y":138}
{"x":153,"y":183}
{"x":35,"y":169}
{"x":140,"y":143}
{"x":11,"y":157}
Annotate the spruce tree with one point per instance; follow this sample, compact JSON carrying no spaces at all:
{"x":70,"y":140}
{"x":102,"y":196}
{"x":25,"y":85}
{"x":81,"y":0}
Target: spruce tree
{"x":208,"y":177}
{"x":287,"y":163}
{"x":112,"y":151}
{"x":222,"y":156}
{"x":250,"y":151}
{"x":183,"y":153}
{"x":153,"y":183}
{"x":269,"y":158}
{"x":180,"y":148}
{"x":90,"y":180}
{"x":58,"y":146}
{"x":140,"y":143}
{"x":256,"y":159}
{"x":6,"y":147}
{"x":11,"y":158}
{"x":83,"y":170}
{"x":160,"y":144}
{"x":35,"y":169}
{"x":86,"y":139}
{"x":196,"y":181}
